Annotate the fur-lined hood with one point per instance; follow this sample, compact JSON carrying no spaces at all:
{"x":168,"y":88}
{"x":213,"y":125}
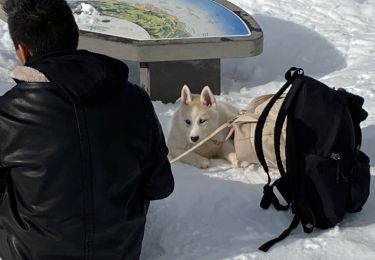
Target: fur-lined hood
{"x":27,"y":74}
{"x":79,"y":75}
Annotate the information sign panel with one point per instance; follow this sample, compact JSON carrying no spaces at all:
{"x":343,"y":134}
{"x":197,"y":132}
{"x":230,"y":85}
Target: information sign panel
{"x":158,"y":19}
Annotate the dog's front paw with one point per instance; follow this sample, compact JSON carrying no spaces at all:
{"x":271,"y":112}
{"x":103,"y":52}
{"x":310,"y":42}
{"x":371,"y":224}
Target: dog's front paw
{"x":204,"y":163}
{"x":240,"y":164}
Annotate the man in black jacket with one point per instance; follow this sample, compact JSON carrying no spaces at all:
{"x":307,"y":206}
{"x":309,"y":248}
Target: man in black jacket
{"x":81,"y":149}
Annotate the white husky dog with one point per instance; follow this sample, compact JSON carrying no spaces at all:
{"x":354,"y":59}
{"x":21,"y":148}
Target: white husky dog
{"x":197,"y":117}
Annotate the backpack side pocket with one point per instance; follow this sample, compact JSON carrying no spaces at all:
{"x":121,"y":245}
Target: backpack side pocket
{"x":359,"y":182}
{"x":325,"y":189}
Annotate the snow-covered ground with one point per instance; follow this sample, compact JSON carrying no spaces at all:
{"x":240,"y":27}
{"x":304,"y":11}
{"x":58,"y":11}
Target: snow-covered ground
{"x":214,"y":214}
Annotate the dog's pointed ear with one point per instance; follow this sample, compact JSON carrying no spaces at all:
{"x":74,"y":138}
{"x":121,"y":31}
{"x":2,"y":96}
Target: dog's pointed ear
{"x":207,"y":97}
{"x":185,"y":95}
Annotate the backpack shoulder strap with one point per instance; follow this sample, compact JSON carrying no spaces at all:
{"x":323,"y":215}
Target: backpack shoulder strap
{"x":284,"y":109}
{"x":290,"y":76}
{"x":269,"y":197}
{"x":301,"y":209}
{"x":266,"y":246}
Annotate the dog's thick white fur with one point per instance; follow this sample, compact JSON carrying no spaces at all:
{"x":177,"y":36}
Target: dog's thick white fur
{"x":197,"y":117}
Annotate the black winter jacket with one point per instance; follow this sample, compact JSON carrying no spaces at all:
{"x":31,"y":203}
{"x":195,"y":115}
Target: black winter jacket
{"x":80,"y":157}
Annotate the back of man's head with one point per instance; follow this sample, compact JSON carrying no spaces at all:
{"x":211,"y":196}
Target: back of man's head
{"x":42,"y":25}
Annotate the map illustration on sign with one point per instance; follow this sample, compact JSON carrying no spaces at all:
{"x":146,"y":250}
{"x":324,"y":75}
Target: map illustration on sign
{"x":158,"y":19}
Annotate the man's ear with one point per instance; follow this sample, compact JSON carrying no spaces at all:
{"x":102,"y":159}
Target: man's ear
{"x":23,"y":53}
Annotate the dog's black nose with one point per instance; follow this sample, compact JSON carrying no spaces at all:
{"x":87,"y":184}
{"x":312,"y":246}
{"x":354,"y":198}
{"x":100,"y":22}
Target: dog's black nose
{"x":194,"y":138}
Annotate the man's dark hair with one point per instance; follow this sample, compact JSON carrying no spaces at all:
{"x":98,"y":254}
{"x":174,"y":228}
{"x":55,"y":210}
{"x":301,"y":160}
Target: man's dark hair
{"x":42,"y":25}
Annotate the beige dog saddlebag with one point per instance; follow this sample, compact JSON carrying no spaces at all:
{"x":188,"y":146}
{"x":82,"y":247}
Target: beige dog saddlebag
{"x":244,"y":132}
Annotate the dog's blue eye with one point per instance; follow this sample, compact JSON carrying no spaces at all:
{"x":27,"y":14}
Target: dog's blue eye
{"x":201,"y":121}
{"x":188,"y":122}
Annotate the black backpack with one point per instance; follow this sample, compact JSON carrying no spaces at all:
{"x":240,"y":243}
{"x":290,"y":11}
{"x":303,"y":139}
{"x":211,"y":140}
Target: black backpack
{"x":326,"y":173}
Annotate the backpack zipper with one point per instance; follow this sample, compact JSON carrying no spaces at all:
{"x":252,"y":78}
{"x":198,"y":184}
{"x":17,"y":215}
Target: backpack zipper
{"x":339,"y":173}
{"x":335,"y":156}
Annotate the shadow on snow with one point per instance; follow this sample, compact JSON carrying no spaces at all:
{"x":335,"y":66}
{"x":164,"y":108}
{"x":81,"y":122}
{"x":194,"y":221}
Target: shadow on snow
{"x":286,"y":44}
